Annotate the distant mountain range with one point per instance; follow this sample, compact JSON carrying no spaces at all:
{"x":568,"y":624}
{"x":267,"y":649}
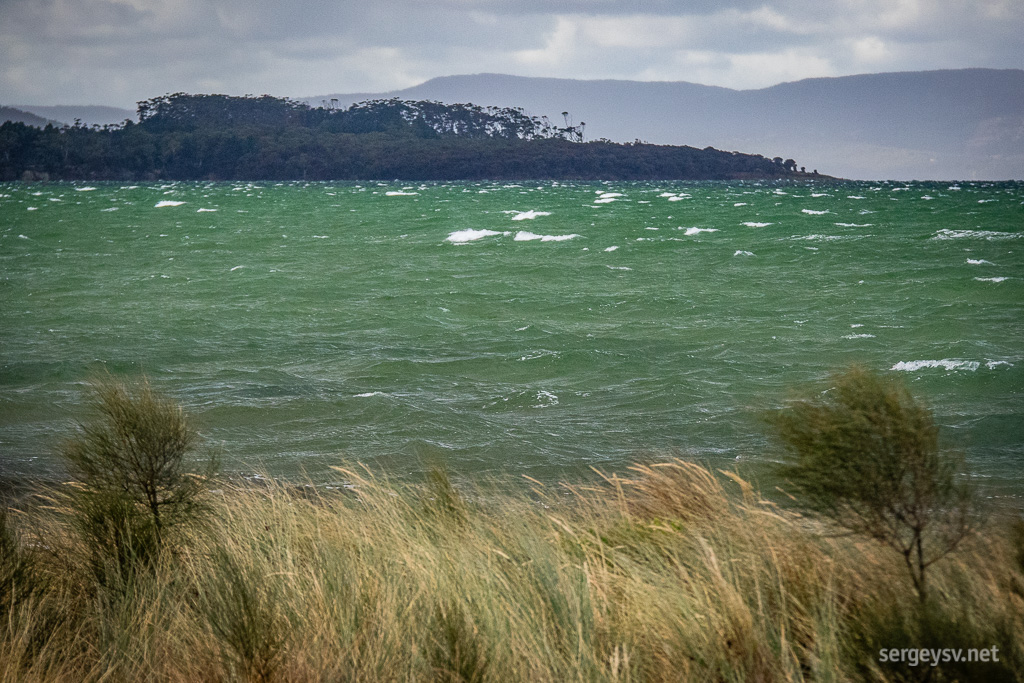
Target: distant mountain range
{"x":22,"y":116}
{"x":67,"y":113}
{"x":928,"y":125}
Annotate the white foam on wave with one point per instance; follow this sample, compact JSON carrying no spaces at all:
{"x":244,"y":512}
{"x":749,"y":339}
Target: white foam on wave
{"x":854,"y":196}
{"x":945,"y":363}
{"x":859,"y":336}
{"x":815,"y":213}
{"x":697,"y":231}
{"x":740,"y":252}
{"x":986,"y":201}
{"x":678,"y":199}
{"x":820,"y":194}
{"x":618,"y":268}
{"x":320,"y":237}
{"x":978,"y":262}
{"x":113,"y":208}
{"x":740,"y":204}
{"x":84,"y":189}
{"x":613,"y":248}
{"x":547,"y":399}
{"x":992,"y":364}
{"x":854,"y":225}
{"x":205,"y":210}
{"x":947,"y":234}
{"x":399,"y":193}
{"x":32,"y":208}
{"x":609,"y":195}
{"x":166,"y":202}
{"x":752,"y":224}
{"x":529,"y":215}
{"x":820,"y":238}
{"x":235,"y":268}
{"x":667,"y":194}
{"x":368,"y":394}
{"x":470,"y":235}
{"x":604,"y":200}
{"x":990,"y":279}
{"x":525,"y":236}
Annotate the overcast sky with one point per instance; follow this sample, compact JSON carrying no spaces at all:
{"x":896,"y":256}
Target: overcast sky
{"x":117,"y":52}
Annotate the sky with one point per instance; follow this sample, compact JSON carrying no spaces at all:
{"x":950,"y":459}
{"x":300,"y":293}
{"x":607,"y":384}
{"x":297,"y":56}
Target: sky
{"x":117,"y":52}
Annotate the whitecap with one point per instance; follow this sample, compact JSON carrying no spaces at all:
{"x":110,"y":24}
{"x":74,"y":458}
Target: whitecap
{"x":740,"y":204}
{"x":853,"y":196}
{"x":859,"y":336}
{"x":397,"y":193}
{"x":854,"y":225}
{"x":986,"y":201}
{"x":463,"y":236}
{"x":740,"y":252}
{"x":815,"y":213}
{"x":990,"y":279}
{"x":604,"y":200}
{"x":697,"y":231}
{"x":819,"y":238}
{"x":978,"y":262}
{"x":946,"y":234}
{"x":205,"y":210}
{"x":525,"y":236}
{"x":946,"y":363}
{"x":24,"y":237}
{"x":113,"y":208}
{"x":618,"y":268}
{"x":996,"y":363}
{"x":547,"y":399}
{"x":611,"y":248}
{"x":609,"y":195}
{"x":820,"y":194}
{"x":370,"y":393}
{"x":84,"y":189}
{"x":235,"y":268}
{"x":529,"y":215}
{"x":667,"y":194}
{"x":166,"y":202}
{"x":32,"y":208}
{"x":751,"y":224}
{"x":320,"y":237}
{"x":677,"y":199}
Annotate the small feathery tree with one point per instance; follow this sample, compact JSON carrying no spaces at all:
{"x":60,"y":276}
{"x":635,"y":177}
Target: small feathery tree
{"x":132,"y":457}
{"x":865,"y":454}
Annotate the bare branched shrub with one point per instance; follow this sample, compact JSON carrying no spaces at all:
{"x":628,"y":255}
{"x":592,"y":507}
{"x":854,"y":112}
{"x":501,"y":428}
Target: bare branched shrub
{"x":865,"y":454}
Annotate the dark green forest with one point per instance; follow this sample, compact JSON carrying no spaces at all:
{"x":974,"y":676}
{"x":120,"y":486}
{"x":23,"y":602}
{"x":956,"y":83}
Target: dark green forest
{"x":219,"y":137}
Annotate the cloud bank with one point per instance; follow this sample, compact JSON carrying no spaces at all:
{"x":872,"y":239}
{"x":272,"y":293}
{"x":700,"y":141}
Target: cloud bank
{"x":119,"y":51}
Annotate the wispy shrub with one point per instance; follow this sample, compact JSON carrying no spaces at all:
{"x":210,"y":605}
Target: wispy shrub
{"x":865,"y":454}
{"x":131,"y":459}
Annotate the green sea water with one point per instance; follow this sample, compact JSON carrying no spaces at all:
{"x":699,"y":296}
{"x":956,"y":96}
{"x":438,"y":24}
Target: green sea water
{"x":523,"y":328}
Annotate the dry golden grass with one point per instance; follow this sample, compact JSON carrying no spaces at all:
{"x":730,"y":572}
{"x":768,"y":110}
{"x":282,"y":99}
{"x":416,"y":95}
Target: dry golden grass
{"x":669,"y":572}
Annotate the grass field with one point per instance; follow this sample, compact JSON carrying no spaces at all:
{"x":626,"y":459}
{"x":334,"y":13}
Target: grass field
{"x":666,"y":572}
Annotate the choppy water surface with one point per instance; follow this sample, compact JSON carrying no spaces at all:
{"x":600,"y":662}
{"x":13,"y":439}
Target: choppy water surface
{"x":520,"y":328}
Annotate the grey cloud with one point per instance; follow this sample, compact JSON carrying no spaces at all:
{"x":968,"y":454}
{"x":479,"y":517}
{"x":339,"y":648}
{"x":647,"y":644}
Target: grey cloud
{"x":118,"y":51}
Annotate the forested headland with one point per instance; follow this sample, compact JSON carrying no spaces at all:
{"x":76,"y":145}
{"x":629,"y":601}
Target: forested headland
{"x":219,"y":137}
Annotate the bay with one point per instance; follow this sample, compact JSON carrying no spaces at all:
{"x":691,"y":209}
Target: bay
{"x":524,"y":328}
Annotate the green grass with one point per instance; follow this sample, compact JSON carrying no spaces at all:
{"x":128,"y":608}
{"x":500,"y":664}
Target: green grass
{"x":668,"y":572}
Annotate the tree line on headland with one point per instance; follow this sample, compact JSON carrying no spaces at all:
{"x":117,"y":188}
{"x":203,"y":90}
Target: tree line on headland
{"x":219,"y":137}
